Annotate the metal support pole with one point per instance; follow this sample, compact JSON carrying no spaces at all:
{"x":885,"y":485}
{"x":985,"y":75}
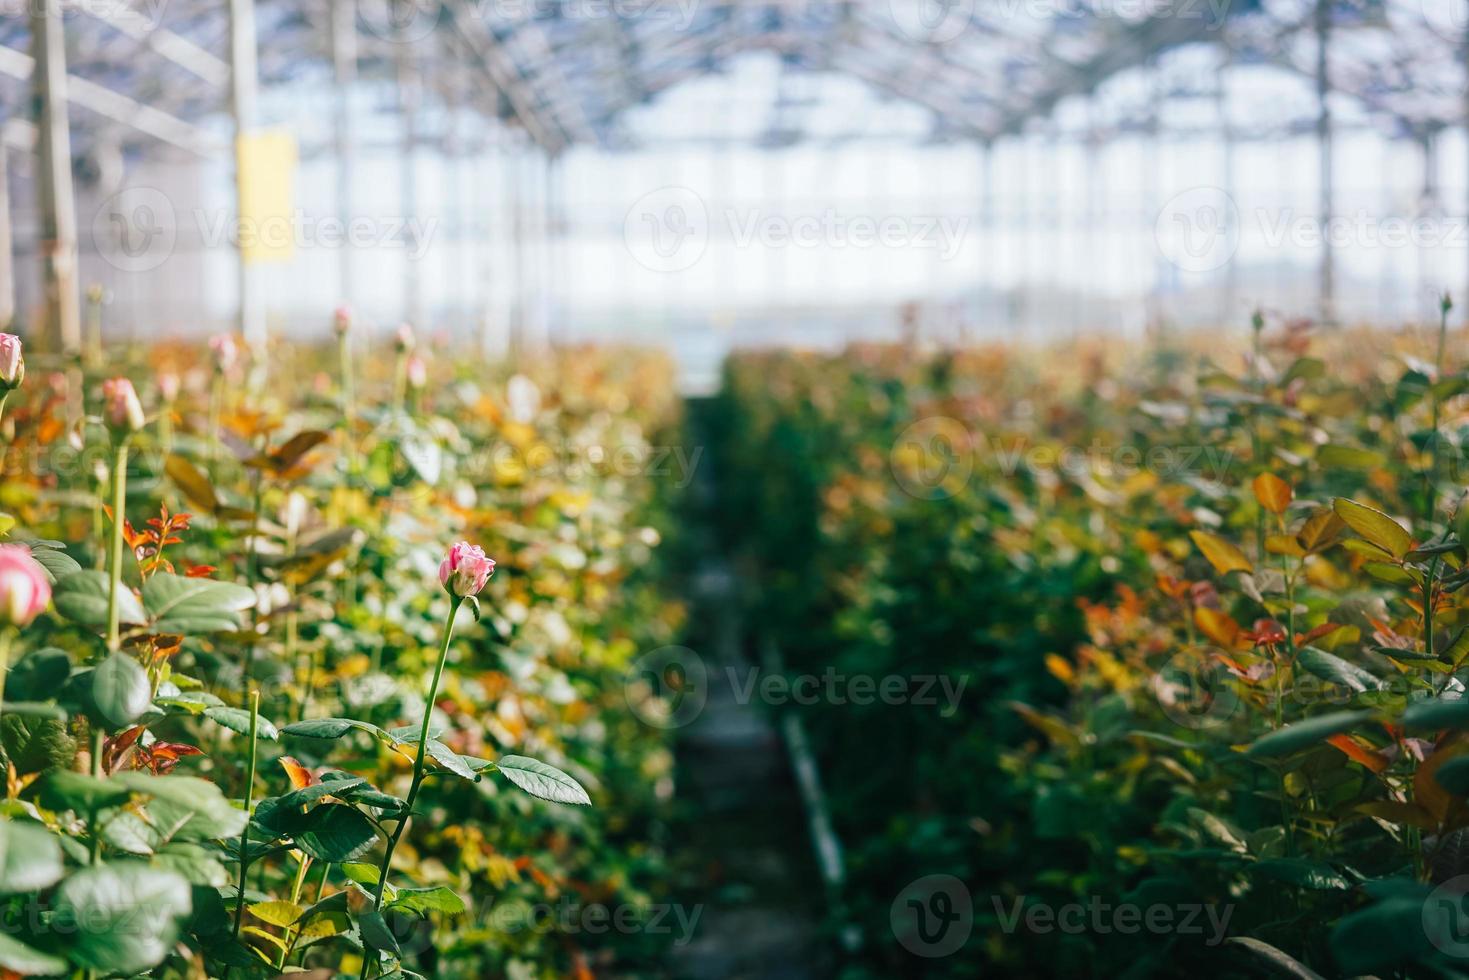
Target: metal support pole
{"x":62,"y":319}
{"x":1323,"y":138}
{"x":344,"y":74}
{"x":409,"y":95}
{"x":1428,"y":273}
{"x":1231,"y":268}
{"x":1152,"y":197}
{"x":515,"y":165}
{"x":987,"y":279}
{"x":243,"y":93}
{"x":1088,"y":287}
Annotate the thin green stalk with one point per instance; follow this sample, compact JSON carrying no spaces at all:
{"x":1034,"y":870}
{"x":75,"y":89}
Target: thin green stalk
{"x":114,"y":568}
{"x":249,"y":804}
{"x":428,"y":712}
{"x":3,"y":396}
{"x":7,"y":636}
{"x":1432,"y":488}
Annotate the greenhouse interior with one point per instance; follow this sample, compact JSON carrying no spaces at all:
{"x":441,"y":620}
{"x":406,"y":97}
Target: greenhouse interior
{"x":734,"y":489}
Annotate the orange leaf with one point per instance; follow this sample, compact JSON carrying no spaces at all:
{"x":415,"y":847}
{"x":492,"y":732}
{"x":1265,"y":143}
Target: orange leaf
{"x":1273,"y":493}
{"x":1217,"y":626}
{"x":301,"y":777}
{"x":1358,"y":752}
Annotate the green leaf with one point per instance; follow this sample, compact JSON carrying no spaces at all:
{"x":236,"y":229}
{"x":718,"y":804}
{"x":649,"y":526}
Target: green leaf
{"x":178,"y":604}
{"x":185,"y":808}
{"x":335,"y":833}
{"x":422,"y":901}
{"x":376,"y":934}
{"x":363,"y":874}
{"x":82,"y":598}
{"x":1453,"y":775}
{"x":238,"y":720}
{"x":62,"y":789}
{"x":1332,"y":668}
{"x":1436,"y":714}
{"x":17,"y":957}
{"x":57,"y":563}
{"x":449,"y":759}
{"x":30,"y":857}
{"x":541,"y":780}
{"x":1304,"y":734}
{"x":121,"y":690}
{"x":1315,"y":875}
{"x":1374,"y":526}
{"x":328,"y":728}
{"x":199,"y":864}
{"x":38,"y":675}
{"x":35,"y":744}
{"x":122,"y":917}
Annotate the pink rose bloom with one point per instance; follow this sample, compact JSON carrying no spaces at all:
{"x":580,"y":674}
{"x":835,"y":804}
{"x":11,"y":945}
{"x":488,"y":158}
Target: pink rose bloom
{"x":342,"y":320}
{"x":404,"y":339}
{"x":417,"y":372}
{"x":24,"y":588}
{"x":120,"y":404}
{"x":466,"y":569}
{"x":225,"y":352}
{"x":168,"y":386}
{"x":12,"y":363}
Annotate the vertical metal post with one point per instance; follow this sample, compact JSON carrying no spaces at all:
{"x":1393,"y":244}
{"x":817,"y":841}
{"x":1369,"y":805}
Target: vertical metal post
{"x":344,"y":75}
{"x":1152,"y":198}
{"x":1088,"y":287}
{"x":1226,"y":135}
{"x":987,"y":278}
{"x":1428,"y":208}
{"x":62,"y":324}
{"x":555,"y":280}
{"x":7,"y":259}
{"x":1323,"y":139}
{"x":243,"y":95}
{"x":408,"y":103}
{"x":514,"y":166}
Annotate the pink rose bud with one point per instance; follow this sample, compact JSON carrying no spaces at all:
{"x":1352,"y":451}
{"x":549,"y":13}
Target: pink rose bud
{"x":404,"y":339}
{"x":24,"y":588}
{"x":12,"y":362}
{"x":466,"y":569}
{"x":168,"y":386}
{"x":417,"y":373}
{"x":342,"y":320}
{"x":225,"y":352}
{"x":120,"y":404}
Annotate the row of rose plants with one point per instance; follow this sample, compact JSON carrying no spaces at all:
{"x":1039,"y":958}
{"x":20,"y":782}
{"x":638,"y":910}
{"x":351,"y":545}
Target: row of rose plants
{"x":1210,"y":598}
{"x":262,"y":715}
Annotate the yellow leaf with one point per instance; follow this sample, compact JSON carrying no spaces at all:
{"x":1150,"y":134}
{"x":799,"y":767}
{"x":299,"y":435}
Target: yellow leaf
{"x":1224,"y":556}
{"x":1273,"y":493}
{"x":1320,"y":530}
{"x":1060,"y":668}
{"x":1375,"y":526}
{"x":1284,"y":544}
{"x":276,"y":913}
{"x":1217,"y":626}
